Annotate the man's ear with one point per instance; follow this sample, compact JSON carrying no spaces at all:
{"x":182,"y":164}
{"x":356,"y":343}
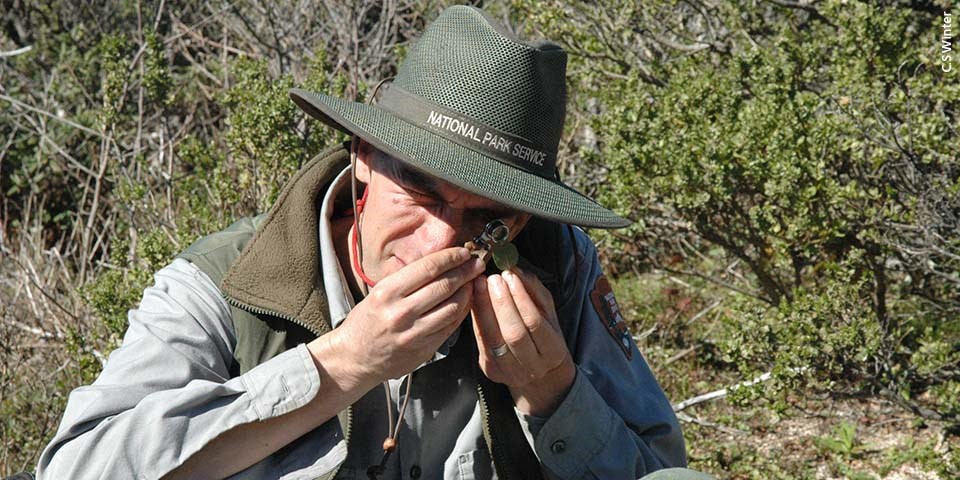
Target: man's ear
{"x":365,"y":158}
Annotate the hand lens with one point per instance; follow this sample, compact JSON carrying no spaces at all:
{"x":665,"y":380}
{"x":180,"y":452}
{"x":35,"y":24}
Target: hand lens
{"x":494,"y":242}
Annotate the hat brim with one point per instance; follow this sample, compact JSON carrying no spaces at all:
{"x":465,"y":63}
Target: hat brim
{"x":454,"y":163}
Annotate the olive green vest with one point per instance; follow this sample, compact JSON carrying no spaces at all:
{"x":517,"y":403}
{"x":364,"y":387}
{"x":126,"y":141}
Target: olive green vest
{"x":268,"y":269}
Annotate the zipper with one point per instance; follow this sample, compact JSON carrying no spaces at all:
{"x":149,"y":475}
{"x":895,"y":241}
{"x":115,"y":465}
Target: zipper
{"x":346,"y":437}
{"x":496,"y":448}
{"x":264,"y":311}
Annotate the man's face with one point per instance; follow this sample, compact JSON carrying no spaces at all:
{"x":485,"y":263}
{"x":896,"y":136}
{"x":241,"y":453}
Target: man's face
{"x":409,"y":215}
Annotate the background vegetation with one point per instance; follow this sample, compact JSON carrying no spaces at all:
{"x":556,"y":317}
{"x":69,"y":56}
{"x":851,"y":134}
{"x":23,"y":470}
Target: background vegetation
{"x":792,"y":168}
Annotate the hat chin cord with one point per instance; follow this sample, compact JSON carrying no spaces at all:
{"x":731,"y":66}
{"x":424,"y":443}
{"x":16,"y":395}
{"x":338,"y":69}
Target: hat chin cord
{"x":393,"y":429}
{"x":354,"y":237}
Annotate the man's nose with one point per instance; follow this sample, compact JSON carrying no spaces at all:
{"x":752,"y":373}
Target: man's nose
{"x":437,"y":233}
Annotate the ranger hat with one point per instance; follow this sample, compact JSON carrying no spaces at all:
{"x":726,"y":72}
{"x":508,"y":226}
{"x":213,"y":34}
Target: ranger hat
{"x":477,"y":107}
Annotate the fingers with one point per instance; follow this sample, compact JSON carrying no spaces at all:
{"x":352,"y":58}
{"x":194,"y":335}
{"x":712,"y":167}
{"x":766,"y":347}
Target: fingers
{"x":487,"y":331}
{"x":448,"y":313}
{"x":439,"y":289}
{"x":537,"y":320}
{"x":540,"y":293}
{"x":513,"y":330}
{"x":484,"y":319}
{"x":533,"y":346}
{"x":415,"y":275}
{"x":530,"y":311}
{"x":430,"y":331}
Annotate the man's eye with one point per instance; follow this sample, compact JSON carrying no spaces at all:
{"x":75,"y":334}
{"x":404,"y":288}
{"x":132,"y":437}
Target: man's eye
{"x":412,"y":191}
{"x":486,"y":216}
{"x":483,"y":216}
{"x":423,"y":198}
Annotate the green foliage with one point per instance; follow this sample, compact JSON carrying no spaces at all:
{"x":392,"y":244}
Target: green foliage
{"x":263,"y":148}
{"x":262,"y":134}
{"x":137,"y":128}
{"x":814,"y":340}
{"x":819,"y":151}
{"x":156,"y":78}
{"x":843,"y":442}
{"x":803,"y":159}
{"x":114,"y":50}
{"x":794,"y":171}
{"x":117,"y":290}
{"x":208,"y":192}
{"x":923,"y":453}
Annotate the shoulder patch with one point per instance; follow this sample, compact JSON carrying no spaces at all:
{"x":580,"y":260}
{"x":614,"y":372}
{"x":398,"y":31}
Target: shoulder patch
{"x":609,"y":313}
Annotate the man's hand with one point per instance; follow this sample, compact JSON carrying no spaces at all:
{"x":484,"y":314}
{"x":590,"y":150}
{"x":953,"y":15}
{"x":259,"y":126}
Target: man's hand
{"x":514,"y":316}
{"x":405,"y":317}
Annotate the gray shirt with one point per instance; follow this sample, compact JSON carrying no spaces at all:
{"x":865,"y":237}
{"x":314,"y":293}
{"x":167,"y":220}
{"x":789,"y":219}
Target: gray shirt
{"x":166,"y":392}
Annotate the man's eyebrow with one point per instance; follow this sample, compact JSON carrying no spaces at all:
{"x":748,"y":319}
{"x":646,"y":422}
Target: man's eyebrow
{"x":421,"y":182}
{"x":417,"y":180}
{"x":497,"y":212}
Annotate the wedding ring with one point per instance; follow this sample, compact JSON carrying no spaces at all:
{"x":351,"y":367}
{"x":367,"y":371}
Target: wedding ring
{"x":500,"y":351}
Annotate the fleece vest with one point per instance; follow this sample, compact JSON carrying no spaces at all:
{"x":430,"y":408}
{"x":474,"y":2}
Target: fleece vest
{"x":269,"y":272}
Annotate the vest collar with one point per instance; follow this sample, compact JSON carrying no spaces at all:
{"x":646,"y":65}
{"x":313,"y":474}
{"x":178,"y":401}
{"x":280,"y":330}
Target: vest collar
{"x":279,"y":271}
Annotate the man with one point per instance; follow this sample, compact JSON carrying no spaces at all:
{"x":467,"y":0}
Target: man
{"x":258,"y":351}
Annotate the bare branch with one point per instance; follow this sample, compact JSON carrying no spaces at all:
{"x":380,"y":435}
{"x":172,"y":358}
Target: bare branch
{"x":19,"y":51}
{"x":723,"y":392}
{"x":50,"y":115}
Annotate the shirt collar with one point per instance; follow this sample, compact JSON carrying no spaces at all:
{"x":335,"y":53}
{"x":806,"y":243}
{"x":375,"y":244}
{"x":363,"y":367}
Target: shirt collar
{"x":334,"y":282}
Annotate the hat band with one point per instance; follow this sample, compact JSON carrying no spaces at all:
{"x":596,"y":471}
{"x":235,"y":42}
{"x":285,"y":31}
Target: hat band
{"x":469,"y":132}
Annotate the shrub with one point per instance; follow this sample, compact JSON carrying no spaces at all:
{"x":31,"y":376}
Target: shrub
{"x":816,"y":147}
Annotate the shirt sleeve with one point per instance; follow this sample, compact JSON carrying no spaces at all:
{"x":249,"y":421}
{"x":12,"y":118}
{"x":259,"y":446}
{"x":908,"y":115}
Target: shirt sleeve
{"x":615,"y":421}
{"x":166,"y":391}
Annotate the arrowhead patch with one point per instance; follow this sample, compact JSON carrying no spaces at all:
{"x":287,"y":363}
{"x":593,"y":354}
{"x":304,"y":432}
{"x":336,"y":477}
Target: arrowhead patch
{"x":609,"y":313}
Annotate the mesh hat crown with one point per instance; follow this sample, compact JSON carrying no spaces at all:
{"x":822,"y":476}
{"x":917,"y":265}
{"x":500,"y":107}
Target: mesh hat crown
{"x":476,"y":107}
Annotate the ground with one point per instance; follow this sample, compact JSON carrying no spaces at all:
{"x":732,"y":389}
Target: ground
{"x":813,"y":436}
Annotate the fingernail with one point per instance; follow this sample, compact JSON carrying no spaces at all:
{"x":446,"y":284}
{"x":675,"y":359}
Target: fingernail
{"x":510,"y":277}
{"x":496,"y":285}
